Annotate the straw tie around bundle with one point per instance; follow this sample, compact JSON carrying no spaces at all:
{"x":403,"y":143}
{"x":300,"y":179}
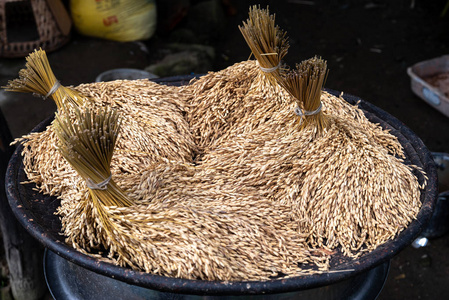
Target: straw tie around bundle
{"x":269,"y":70}
{"x":53,"y":89}
{"x":100,"y":185}
{"x":302,"y":113}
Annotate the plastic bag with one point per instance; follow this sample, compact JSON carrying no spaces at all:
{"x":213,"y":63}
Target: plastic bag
{"x":118,"y":20}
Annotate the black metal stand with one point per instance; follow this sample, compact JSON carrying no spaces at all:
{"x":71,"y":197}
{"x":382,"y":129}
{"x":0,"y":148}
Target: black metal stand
{"x":23,"y":252}
{"x":68,"y":281}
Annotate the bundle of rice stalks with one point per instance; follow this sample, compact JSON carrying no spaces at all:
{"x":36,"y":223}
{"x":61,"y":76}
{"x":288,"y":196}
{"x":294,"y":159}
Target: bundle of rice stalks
{"x":38,"y":78}
{"x":267,"y":41}
{"x":305,"y":85}
{"x":87,"y":143}
{"x":153,"y":128}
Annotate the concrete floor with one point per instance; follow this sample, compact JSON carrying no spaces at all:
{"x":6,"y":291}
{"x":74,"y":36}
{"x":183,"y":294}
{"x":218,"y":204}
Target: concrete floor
{"x":368,"y":45}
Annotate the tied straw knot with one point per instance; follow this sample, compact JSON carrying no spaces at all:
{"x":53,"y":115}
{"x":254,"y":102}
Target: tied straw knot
{"x":268,"y":70}
{"x":102,"y":185}
{"x":53,"y":89}
{"x":303,"y":113}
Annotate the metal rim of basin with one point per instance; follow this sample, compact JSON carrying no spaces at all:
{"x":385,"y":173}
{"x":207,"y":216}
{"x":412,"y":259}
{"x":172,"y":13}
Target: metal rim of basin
{"x":67,"y":280}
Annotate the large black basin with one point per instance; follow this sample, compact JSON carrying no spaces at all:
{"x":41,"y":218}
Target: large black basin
{"x":36,"y":213}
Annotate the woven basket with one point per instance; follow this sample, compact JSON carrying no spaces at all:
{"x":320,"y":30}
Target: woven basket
{"x":26,"y":25}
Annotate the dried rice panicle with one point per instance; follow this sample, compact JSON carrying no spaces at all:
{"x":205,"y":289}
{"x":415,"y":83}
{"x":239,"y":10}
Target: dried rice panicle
{"x":197,"y":233}
{"x":215,"y":101}
{"x":354,"y":195}
{"x":348,"y":188}
{"x":154,"y":128}
{"x":44,"y":164}
{"x":337,"y":106}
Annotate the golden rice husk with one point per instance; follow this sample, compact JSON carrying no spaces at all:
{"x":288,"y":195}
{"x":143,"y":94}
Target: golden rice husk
{"x":153,"y":130}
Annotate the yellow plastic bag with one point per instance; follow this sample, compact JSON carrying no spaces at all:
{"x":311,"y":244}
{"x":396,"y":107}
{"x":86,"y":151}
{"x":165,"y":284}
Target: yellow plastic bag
{"x":117,"y":20}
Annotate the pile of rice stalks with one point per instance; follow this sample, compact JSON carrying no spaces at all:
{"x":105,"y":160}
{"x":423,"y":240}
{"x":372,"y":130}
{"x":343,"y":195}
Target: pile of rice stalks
{"x":221,"y":179}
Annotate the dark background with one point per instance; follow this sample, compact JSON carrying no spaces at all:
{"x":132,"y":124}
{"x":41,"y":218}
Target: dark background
{"x":368,"y":46}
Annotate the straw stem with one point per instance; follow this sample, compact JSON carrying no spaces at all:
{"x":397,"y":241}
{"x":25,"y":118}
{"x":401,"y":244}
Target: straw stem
{"x":305,"y":84}
{"x":267,"y":41}
{"x":37,"y":78}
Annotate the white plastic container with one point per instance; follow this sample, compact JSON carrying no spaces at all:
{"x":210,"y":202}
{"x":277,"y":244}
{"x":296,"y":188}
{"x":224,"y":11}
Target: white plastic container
{"x":433,"y":95}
